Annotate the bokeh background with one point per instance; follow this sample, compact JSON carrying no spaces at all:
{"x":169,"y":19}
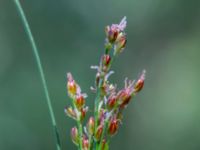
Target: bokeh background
{"x":163,"y":37}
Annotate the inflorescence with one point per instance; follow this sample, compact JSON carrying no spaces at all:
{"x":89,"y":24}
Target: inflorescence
{"x":109,"y":102}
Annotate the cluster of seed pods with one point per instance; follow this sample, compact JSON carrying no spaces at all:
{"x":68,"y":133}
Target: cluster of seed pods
{"x":109,"y":103}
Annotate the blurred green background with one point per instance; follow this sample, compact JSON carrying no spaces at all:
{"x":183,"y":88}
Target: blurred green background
{"x":163,"y":37}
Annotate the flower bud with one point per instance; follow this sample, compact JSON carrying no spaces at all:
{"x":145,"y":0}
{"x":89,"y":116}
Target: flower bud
{"x":111,"y":33}
{"x":70,"y":112}
{"x":79,"y":101}
{"x":85,"y":143}
{"x":123,"y":98}
{"x":113,"y":127}
{"x":120,"y":43}
{"x":83,"y":113}
{"x":75,"y":135}
{"x":71,"y":85}
{"x":140,"y":83}
{"x":106,"y":60}
{"x":91,"y":125}
{"x":111,"y":103}
{"x":98,"y":132}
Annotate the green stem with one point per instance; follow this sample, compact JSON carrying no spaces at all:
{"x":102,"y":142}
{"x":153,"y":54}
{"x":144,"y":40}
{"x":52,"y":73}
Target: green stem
{"x":103,"y":134}
{"x":80,"y":129}
{"x":35,"y":51}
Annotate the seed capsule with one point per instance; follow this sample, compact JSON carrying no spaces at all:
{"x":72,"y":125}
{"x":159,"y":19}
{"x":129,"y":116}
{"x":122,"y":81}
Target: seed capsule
{"x":113,"y":127}
{"x":79,"y":101}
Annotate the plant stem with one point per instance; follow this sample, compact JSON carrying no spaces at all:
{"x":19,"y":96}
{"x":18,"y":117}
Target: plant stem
{"x":103,"y":133}
{"x":80,"y":129}
{"x":36,"y":54}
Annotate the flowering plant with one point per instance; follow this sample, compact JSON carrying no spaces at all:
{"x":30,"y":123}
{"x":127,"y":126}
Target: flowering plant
{"x":109,"y":103}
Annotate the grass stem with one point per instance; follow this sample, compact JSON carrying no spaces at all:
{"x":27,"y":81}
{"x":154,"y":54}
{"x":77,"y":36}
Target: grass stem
{"x":38,"y":61}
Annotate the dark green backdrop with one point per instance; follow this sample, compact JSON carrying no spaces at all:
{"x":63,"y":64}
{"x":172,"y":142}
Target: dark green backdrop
{"x":163,"y":37}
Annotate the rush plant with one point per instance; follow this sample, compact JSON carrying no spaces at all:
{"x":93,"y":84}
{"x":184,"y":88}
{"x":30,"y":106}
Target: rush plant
{"x":109,"y":102}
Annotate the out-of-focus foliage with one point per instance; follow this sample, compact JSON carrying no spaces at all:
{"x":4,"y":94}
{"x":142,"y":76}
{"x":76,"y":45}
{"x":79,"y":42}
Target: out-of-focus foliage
{"x":163,"y":37}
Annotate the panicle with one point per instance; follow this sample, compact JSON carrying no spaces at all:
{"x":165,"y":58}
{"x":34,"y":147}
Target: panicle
{"x":109,"y":103}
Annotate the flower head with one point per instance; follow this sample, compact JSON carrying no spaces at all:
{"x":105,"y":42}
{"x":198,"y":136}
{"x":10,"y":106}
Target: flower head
{"x":113,"y":31}
{"x":125,"y":95}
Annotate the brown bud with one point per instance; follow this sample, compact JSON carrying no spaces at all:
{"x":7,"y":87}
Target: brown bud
{"x":111,"y":102}
{"x":75,"y":135}
{"x":91,"y":125}
{"x":83,"y":113}
{"x":113,"y":127}
{"x":123,"y":98}
{"x":106,"y":60}
{"x":79,"y":101}
{"x":140,"y":83}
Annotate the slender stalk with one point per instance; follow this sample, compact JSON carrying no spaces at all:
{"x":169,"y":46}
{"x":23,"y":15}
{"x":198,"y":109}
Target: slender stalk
{"x":80,"y":129}
{"x":36,"y":54}
{"x":103,"y":134}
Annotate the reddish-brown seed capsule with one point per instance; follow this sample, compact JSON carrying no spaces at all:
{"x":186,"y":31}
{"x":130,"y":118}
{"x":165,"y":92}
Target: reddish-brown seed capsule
{"x":123,"y":98}
{"x":79,"y":101}
{"x":140,"y":83}
{"x":106,"y":59}
{"x":113,"y":126}
{"x":111,"y":102}
{"x":83,"y":113}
